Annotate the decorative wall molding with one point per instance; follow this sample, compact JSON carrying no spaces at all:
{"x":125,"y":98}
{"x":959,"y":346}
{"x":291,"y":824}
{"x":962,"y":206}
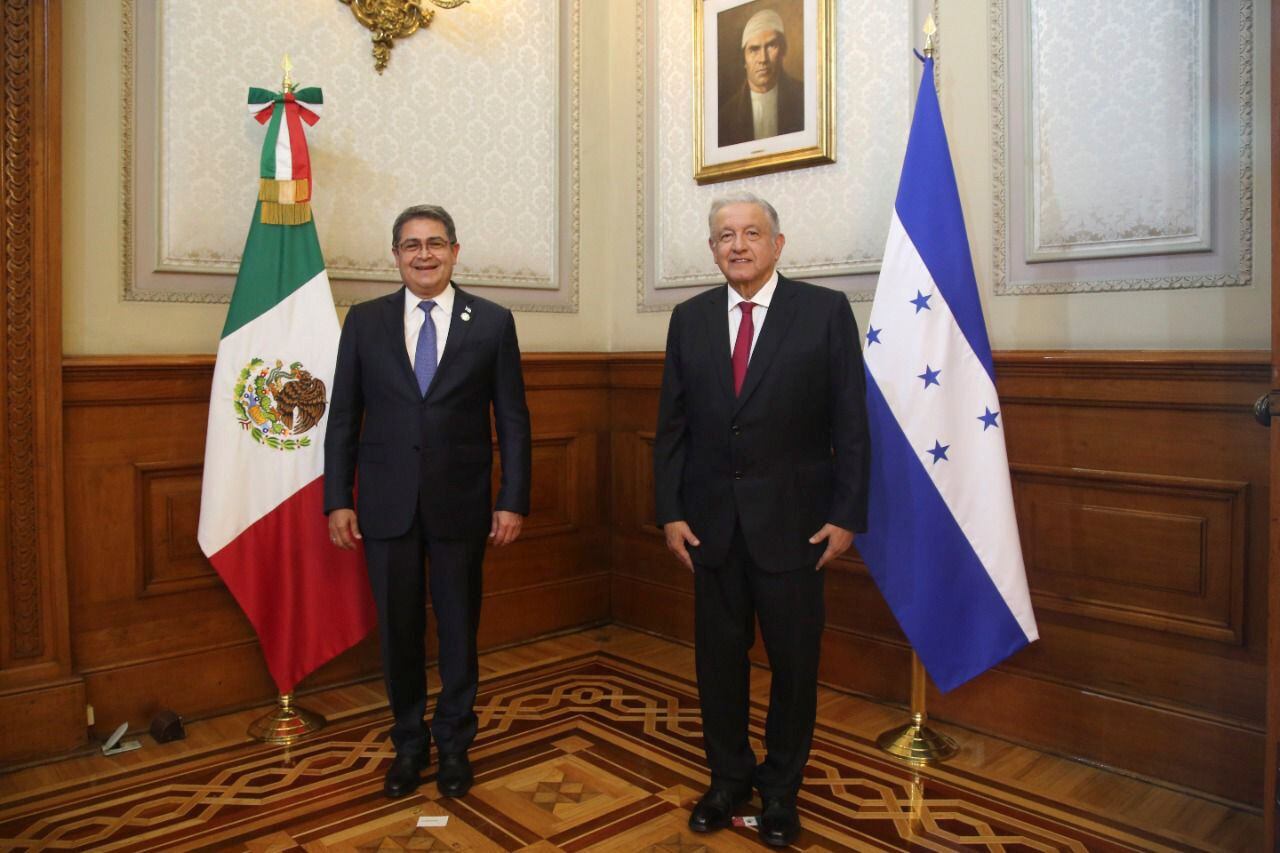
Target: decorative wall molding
{"x":26,"y":640}
{"x":41,"y":698}
{"x":1227,"y":262}
{"x":835,"y":216}
{"x":149,"y":608}
{"x":167,"y":511}
{"x":1137,"y":667}
{"x":555,"y":509}
{"x":169,"y":259}
{"x":1091,"y":136}
{"x":1172,"y":429}
{"x":1162,"y":553}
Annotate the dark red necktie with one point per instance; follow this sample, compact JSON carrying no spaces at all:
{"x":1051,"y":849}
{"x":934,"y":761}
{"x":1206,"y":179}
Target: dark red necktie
{"x":742,"y":346}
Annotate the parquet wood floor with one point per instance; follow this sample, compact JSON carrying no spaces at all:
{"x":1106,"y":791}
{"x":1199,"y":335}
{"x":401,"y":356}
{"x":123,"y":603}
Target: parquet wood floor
{"x":590,"y":741}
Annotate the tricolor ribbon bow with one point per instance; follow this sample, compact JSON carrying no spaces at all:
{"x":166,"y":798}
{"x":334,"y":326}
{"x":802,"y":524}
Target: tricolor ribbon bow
{"x":285,"y":185}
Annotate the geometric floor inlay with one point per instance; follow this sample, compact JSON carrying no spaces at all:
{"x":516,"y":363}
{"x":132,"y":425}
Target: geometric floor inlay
{"x":594,"y":753}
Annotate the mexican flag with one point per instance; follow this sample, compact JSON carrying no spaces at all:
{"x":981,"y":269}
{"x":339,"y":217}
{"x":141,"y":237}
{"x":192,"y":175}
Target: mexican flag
{"x":262,"y":521}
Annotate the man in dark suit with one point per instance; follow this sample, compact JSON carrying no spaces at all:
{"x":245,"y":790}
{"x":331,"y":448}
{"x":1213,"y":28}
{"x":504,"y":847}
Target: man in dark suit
{"x":760,"y":464}
{"x":416,"y":376}
{"x":769,"y":103}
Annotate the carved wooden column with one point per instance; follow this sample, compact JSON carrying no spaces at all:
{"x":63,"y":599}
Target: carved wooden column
{"x":42,"y":707}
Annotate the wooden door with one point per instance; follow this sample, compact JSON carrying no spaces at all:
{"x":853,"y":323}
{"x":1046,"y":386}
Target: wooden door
{"x":1270,"y":803}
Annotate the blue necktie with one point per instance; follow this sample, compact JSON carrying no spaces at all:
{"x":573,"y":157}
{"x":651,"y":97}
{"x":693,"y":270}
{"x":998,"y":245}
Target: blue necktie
{"x":424,"y":357}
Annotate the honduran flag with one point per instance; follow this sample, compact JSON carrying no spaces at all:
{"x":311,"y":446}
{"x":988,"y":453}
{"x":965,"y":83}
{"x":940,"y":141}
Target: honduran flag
{"x":942,"y":539}
{"x":262,"y":521}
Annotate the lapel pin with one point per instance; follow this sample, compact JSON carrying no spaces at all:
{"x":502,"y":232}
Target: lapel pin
{"x":466,"y":314}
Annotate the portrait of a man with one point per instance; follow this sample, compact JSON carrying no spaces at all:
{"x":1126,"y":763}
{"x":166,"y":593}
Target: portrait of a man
{"x":760,"y":79}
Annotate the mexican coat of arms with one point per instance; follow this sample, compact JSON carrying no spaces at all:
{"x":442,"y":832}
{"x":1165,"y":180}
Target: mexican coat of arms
{"x":277,"y":404}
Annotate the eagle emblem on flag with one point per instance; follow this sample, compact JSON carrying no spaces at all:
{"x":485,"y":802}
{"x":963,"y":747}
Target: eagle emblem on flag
{"x":275,"y":404}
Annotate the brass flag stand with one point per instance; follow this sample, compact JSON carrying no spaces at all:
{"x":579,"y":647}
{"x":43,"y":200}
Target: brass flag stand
{"x":916,"y":743}
{"x":286,"y":723}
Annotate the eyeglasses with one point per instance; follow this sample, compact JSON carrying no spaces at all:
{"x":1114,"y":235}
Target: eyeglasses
{"x":435,"y":246}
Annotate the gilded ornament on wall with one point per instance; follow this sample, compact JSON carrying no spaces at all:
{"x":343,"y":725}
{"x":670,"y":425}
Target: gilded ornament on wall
{"x":388,"y":20}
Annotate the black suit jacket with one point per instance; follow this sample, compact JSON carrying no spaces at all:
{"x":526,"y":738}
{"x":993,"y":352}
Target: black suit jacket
{"x":401,"y":446}
{"x":787,"y":455}
{"x":736,"y":124}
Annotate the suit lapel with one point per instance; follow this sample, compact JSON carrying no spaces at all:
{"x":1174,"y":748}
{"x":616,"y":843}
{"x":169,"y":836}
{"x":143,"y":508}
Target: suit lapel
{"x":459,"y":326}
{"x":776,"y":321}
{"x":392,"y":310}
{"x":716,"y":318}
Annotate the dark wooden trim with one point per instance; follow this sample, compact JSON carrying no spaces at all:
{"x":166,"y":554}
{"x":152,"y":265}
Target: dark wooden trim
{"x":35,"y":652}
{"x":148,"y":609}
{"x":1075,"y":419}
{"x":603,"y":557}
{"x":1271,"y":746}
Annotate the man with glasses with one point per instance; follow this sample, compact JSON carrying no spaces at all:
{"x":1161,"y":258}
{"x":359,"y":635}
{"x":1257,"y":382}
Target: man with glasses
{"x":418,"y":372}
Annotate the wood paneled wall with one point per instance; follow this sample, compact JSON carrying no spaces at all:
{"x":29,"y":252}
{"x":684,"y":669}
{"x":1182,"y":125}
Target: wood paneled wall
{"x":41,"y":697}
{"x":1140,"y":482}
{"x":1141,"y":488}
{"x":152,"y":626}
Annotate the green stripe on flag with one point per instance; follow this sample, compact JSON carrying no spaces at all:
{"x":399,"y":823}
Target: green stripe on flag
{"x":278,"y":259}
{"x":269,"y":144}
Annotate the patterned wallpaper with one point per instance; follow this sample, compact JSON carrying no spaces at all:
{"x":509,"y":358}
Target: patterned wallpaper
{"x":835,"y":216}
{"x":1119,"y":126}
{"x":468,"y":114}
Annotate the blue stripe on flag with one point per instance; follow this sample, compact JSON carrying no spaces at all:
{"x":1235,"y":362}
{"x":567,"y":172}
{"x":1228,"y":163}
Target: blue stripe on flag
{"x":928,"y":206}
{"x":947,"y":606}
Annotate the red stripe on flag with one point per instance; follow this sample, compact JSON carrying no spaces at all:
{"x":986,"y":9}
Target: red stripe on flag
{"x":308,"y":600}
{"x":297,"y":146}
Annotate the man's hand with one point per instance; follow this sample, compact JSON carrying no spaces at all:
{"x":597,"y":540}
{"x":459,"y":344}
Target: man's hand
{"x":679,"y":536}
{"x":838,"y":541}
{"x":343,"y":530}
{"x":506,"y":527}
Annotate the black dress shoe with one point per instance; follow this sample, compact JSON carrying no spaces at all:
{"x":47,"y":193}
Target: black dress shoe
{"x":454,"y":776}
{"x":403,"y":775}
{"x":778,"y":823}
{"x":715,"y":809}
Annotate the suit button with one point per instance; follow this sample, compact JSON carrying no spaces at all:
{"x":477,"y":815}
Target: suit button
{"x":737,"y":475}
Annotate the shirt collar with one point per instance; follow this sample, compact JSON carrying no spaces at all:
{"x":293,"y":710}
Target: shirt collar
{"x":444,"y":300}
{"x":764,"y":98}
{"x":763,"y":296}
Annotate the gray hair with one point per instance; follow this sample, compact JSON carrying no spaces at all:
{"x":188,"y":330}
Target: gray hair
{"x":424,"y":211}
{"x":742,"y":197}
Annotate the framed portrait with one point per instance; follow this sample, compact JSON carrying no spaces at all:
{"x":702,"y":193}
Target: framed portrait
{"x":763,"y":87}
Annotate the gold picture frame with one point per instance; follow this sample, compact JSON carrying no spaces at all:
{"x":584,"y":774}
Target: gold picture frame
{"x":740,"y":56}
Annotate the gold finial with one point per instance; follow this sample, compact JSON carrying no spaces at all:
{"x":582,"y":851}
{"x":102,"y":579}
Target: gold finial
{"x":930,"y":30}
{"x":287,"y":85}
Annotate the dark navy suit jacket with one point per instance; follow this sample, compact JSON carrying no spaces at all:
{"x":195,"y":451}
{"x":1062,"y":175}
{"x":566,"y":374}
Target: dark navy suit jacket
{"x":788,"y":454}
{"x":401,"y":448}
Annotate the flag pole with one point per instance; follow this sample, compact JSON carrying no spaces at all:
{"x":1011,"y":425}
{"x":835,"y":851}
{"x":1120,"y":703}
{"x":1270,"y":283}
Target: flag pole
{"x":916,"y":743}
{"x":286,"y":723}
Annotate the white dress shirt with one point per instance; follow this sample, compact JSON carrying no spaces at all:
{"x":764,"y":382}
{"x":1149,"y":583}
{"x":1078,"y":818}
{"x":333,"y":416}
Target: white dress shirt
{"x":764,"y":113}
{"x":761,"y":302}
{"x":441,"y":315}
